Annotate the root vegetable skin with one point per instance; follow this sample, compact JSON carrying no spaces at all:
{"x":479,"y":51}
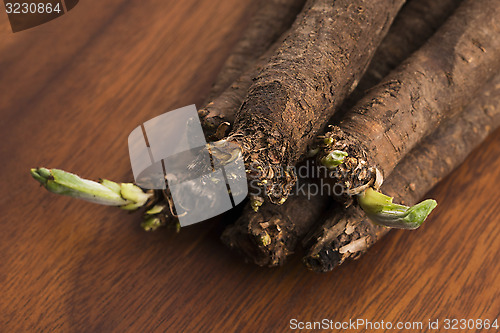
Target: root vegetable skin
{"x":440,"y":78}
{"x":319,"y":63}
{"x":416,"y":22}
{"x":269,"y":236}
{"x":270,"y":21}
{"x":414,"y":25}
{"x":223,"y":108}
{"x":261,"y":37}
{"x":419,"y":171}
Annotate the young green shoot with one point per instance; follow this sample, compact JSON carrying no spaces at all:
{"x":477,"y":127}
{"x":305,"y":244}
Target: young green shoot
{"x":381,"y":210}
{"x":156,"y":217}
{"x":334,"y":159}
{"x":124,"y":195}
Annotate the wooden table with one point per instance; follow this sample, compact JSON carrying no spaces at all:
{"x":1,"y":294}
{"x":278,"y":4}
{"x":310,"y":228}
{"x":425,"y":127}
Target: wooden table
{"x":71,"y":92}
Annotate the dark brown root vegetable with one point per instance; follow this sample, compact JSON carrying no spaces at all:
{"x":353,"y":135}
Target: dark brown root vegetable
{"x":270,"y":21}
{"x":255,"y":234}
{"x":417,"y":21}
{"x":319,"y":63}
{"x":269,"y":236}
{"x":231,"y":85}
{"x":347,"y":234}
{"x":437,"y":80}
{"x":217,"y":117}
{"x":264,"y":29}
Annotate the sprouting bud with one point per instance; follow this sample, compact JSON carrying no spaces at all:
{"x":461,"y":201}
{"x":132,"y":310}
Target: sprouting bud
{"x":381,"y":210}
{"x":328,"y":141}
{"x":151,"y":224}
{"x":334,"y":159}
{"x":256,"y":202}
{"x":125,"y":195}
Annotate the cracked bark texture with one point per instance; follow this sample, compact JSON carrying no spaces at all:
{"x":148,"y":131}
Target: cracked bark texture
{"x":349,"y":233}
{"x":319,"y":63}
{"x":282,"y":230}
{"x":435,"y":82}
{"x":230,"y":87}
{"x":266,"y":26}
{"x":417,"y":21}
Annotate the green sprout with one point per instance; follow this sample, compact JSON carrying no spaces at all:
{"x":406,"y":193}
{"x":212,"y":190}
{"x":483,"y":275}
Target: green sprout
{"x":156,"y":217}
{"x":151,"y":223}
{"x":125,"y":195}
{"x":381,"y":210}
{"x":334,"y":159}
{"x":328,"y":141}
{"x":256,"y":202}
{"x":265,"y":239}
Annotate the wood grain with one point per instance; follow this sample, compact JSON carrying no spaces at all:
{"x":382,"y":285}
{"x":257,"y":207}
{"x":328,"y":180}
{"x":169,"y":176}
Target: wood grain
{"x":74,"y":88}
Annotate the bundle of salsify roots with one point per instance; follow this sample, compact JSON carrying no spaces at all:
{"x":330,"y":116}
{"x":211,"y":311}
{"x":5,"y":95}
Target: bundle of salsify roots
{"x":384,"y":97}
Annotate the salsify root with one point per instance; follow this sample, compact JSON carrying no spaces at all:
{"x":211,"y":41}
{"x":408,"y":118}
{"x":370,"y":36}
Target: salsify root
{"x":266,"y":26}
{"x":320,"y":61}
{"x":434,"y":83}
{"x":417,"y":21}
{"x":348,"y":233}
{"x":217,"y":117}
{"x":261,"y":38}
{"x":267,"y":237}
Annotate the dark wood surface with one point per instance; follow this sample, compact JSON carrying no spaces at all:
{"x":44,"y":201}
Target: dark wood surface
{"x":73,"y":89}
